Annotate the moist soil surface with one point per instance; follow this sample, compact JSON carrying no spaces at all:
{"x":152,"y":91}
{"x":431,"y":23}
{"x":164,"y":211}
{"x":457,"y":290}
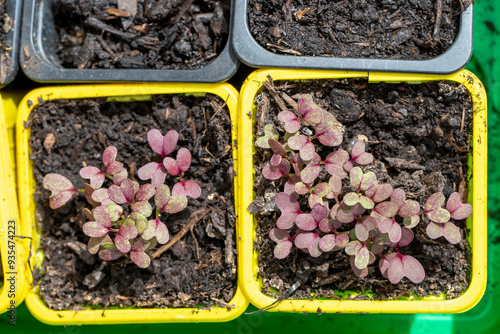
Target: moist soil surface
{"x":391,"y":29}
{"x":152,"y":34}
{"x":419,"y":136}
{"x":200,"y":269}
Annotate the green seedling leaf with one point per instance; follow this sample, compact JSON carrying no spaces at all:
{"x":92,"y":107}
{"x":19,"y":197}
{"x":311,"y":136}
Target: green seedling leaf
{"x":62,"y":189}
{"x":138,"y":220}
{"x":269,"y":133}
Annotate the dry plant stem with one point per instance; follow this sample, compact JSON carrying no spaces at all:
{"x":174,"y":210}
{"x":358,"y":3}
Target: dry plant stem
{"x":196,"y":216}
{"x":439,"y":5}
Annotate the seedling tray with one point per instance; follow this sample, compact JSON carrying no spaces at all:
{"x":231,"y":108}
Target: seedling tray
{"x":248,"y":258}
{"x":253,"y":54}
{"x":11,"y":40}
{"x":40,"y":62}
{"x":26,"y":184}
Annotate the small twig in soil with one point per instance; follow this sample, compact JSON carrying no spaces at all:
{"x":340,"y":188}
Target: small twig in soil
{"x":105,"y":45}
{"x":218,"y":110}
{"x":182,"y":10}
{"x":196,"y":217}
{"x":287,"y":294}
{"x":272,"y":90}
{"x":281,"y":49}
{"x":195,"y":241}
{"x":439,"y":12}
{"x":462,"y":122}
{"x":223,"y":303}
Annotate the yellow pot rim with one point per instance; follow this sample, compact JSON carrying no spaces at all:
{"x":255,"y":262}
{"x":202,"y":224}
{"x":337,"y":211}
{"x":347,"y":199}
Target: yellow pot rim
{"x":26,"y":185}
{"x":247,"y":256}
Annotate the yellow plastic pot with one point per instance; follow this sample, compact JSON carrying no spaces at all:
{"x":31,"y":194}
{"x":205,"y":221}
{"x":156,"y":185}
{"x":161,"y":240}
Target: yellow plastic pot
{"x":26,"y":183}
{"x":13,"y":247}
{"x":248,"y":256}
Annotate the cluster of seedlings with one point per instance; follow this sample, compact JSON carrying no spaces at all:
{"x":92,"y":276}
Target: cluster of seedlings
{"x":351,"y":211}
{"x":122,"y":219}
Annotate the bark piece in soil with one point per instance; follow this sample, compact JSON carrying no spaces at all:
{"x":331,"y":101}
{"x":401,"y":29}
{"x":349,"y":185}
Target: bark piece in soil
{"x":196,"y":270}
{"x":407,"y":126}
{"x":404,"y":29}
{"x":147,"y":34}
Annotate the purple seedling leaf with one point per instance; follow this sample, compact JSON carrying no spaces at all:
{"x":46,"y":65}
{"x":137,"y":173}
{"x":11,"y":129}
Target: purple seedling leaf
{"x":277,"y":148}
{"x":303,"y":145}
{"x":364,"y":226}
{"x":334,"y":163}
{"x":297,"y":163}
{"x":335,"y":184}
{"x":409,"y":209}
{"x":358,"y":272}
{"x":457,"y":209}
{"x":329,"y":225}
{"x":333,"y":242}
{"x":312,"y":170}
{"x":162,"y":145}
{"x":284,"y":242}
{"x":433,"y":209}
{"x":115,"y":211}
{"x":391,"y":227}
{"x":309,"y":222}
{"x":405,"y":265}
{"x":153,"y":171}
{"x":125,"y":233}
{"x":166,"y":203}
{"x":318,"y":192}
{"x":180,"y":165}
{"x":379,"y":193}
{"x":88,"y":191}
{"x":406,"y":238}
{"x":384,"y":210}
{"x":310,"y":112}
{"x":360,"y":252}
{"x":292,"y":123}
{"x":346,"y":214}
{"x":289,"y":187}
{"x":143,"y":208}
{"x":289,"y":208}
{"x":118,"y":178}
{"x":94,"y":174}
{"x":329,"y":131}
{"x":157,"y":229}
{"x":301,"y":188}
{"x":137,"y":255}
{"x":358,"y":154}
{"x":102,"y":196}
{"x":96,"y":242}
{"x":109,"y":252}
{"x":186,"y":188}
{"x":102,"y":224}
{"x":412,"y":221}
{"x":384,"y":263}
{"x":352,"y":199}
{"x":271,"y":172}
{"x":269,"y":133}
{"x":62,"y":189}
{"x":125,"y":193}
{"x":108,"y":159}
{"x":448,"y":230}
{"x":310,"y":242}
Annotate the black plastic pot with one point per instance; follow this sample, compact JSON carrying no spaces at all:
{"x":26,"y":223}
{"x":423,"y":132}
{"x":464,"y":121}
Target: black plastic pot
{"x":40,"y":62}
{"x":253,"y":54}
{"x":11,"y":42}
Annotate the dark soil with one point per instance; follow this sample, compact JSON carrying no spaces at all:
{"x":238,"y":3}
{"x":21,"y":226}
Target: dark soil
{"x":389,"y":29}
{"x":6,"y":26}
{"x":420,"y":137}
{"x":198,"y":270}
{"x":171,"y":34}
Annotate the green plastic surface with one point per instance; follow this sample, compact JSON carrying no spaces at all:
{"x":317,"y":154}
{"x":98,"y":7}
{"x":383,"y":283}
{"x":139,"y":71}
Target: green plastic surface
{"x":484,"y":318}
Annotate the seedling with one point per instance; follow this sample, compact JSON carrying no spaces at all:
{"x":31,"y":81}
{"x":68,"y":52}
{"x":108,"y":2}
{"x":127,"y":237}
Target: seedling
{"x":113,"y":234}
{"x":352,"y":211}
